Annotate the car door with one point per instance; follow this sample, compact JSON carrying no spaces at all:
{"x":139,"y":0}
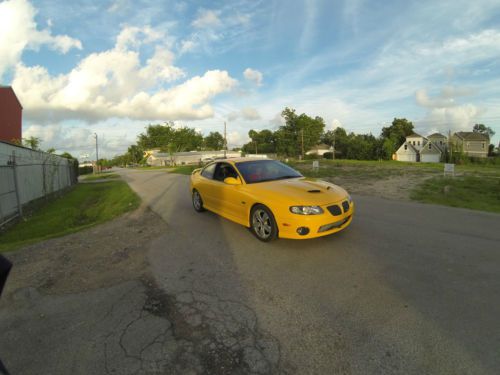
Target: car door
{"x":229,"y":197}
{"x":206,"y":186}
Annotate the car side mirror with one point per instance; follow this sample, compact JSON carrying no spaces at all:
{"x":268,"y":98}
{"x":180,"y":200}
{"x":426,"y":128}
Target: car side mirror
{"x":232,"y":181}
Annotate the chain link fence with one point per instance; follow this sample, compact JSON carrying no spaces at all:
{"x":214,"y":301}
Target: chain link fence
{"x":27,"y":175}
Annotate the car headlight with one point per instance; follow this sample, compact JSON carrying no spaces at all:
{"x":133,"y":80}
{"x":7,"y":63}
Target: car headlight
{"x":306,"y":210}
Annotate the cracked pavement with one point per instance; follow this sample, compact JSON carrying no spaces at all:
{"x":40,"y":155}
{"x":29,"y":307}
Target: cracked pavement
{"x":171,"y":291}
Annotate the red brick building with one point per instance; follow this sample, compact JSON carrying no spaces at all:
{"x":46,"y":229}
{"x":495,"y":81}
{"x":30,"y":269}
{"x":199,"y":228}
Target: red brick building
{"x":11,"y":113}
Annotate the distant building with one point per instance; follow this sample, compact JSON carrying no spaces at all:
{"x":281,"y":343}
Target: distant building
{"x":416,"y":140}
{"x":320,"y":150}
{"x":421,"y":149}
{"x":156,"y":158}
{"x":10,"y":115}
{"x":471,"y":143}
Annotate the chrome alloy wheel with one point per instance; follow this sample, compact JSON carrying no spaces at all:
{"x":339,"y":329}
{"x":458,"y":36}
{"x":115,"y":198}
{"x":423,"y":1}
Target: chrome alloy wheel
{"x":197,"y":201}
{"x":261,"y":223}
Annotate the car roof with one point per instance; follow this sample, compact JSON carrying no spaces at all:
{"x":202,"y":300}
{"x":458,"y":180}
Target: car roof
{"x":241,"y":160}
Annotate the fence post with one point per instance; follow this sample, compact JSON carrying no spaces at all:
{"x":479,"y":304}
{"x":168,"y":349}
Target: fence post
{"x":16,"y":185}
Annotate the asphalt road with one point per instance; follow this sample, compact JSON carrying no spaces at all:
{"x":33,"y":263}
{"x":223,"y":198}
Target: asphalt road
{"x":407,"y":288}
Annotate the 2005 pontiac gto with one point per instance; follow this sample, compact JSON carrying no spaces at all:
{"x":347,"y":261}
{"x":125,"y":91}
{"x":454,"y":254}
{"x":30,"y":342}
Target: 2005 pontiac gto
{"x":271,"y":198}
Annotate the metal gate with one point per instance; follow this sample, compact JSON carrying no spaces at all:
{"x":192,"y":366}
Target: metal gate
{"x":9,"y":194}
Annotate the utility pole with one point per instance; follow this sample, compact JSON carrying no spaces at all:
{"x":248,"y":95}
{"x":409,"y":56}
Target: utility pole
{"x":450,"y":146}
{"x":225,"y":140}
{"x":302,"y":136}
{"x":96,"y":153}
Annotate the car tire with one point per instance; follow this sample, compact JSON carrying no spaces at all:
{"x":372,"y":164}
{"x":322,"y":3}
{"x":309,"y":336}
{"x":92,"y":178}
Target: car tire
{"x":262,"y":223}
{"x":197,"y":201}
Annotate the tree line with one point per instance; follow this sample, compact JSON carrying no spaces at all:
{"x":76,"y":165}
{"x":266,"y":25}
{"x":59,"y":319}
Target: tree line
{"x":298,"y":134}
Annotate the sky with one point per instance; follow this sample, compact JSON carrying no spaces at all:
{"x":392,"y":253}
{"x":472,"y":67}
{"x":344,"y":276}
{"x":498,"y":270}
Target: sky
{"x":113,"y":67}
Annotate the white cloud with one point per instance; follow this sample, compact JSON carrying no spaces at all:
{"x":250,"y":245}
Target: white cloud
{"x":445,"y":113}
{"x":247,"y":113}
{"x":132,"y":37}
{"x":187,"y":46}
{"x":206,"y":19}
{"x":114,"y":83}
{"x":18,"y":31}
{"x":253,"y":76}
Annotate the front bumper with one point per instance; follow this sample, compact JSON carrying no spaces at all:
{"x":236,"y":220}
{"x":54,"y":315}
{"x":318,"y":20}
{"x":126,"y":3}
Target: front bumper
{"x":318,"y":225}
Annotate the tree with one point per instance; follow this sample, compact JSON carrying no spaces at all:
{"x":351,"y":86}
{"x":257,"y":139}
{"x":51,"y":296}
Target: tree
{"x":213,"y":141}
{"x":32,"y":142}
{"x":134,"y":154}
{"x":263,"y":141}
{"x":299,"y":134}
{"x":483,"y":129}
{"x":396,"y":133}
{"x":51,"y":150}
{"x":169,"y":139}
{"x":67,"y":155}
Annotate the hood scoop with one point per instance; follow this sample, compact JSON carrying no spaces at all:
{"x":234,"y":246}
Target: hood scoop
{"x":314,"y":191}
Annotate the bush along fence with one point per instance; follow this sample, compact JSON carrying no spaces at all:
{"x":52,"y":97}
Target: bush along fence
{"x":27,"y":175}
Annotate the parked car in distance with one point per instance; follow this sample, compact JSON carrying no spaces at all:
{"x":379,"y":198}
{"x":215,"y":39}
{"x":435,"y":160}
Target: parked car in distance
{"x":271,"y":198}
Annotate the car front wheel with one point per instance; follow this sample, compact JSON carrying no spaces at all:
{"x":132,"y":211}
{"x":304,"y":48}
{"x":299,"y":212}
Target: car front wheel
{"x":262,"y":223}
{"x":197,"y":201}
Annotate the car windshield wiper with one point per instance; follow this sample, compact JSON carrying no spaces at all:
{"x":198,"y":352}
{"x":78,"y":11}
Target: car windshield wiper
{"x":278,"y":178}
{"x":285,"y":177}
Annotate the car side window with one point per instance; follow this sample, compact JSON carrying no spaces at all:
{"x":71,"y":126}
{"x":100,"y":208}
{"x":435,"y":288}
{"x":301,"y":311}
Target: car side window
{"x":208,"y":171}
{"x":224,"y":170}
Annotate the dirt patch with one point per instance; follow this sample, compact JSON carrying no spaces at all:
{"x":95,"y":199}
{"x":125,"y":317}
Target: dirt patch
{"x":393,"y":187}
{"x":97,"y":257}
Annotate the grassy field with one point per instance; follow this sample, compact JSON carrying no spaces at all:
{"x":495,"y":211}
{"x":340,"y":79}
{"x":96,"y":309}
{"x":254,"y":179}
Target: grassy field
{"x":475,"y":186}
{"x":184,"y":169}
{"x":84,"y":206}
{"x":477,"y":193}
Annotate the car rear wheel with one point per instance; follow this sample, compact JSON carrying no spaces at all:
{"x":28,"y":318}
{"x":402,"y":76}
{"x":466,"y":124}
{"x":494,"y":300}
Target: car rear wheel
{"x":197,"y":201}
{"x":262,"y":223}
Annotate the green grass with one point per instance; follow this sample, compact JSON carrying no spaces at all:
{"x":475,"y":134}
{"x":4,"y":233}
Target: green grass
{"x":184,"y":169}
{"x":84,"y":206}
{"x":373,"y":169}
{"x":149,"y":168}
{"x":100,"y":176}
{"x":364,"y":170}
{"x":477,"y":193}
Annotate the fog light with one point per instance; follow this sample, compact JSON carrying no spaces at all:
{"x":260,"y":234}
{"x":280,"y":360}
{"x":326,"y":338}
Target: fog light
{"x":303,"y":231}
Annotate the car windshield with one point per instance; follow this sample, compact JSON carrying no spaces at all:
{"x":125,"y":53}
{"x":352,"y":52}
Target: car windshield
{"x":265,"y":170}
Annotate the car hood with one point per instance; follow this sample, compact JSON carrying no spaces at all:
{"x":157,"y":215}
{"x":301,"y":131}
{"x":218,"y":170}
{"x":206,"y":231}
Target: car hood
{"x":300,"y":191}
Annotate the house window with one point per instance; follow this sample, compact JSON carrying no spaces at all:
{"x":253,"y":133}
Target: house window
{"x":430,"y":146}
{"x":468,"y":144}
{"x":406,"y":147}
{"x":441,"y":143}
{"x":418,"y":143}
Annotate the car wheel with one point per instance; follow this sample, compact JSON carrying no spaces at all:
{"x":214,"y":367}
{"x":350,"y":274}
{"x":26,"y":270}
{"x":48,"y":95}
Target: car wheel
{"x":197,"y":201}
{"x":262,"y":223}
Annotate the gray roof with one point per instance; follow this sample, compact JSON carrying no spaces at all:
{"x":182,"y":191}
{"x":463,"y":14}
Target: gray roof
{"x":434,"y":147}
{"x":472,"y":136}
{"x":436,"y":135}
{"x":414,"y":135}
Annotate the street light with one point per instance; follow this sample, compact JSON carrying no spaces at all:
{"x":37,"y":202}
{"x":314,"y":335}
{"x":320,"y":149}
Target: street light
{"x":96,"y":154}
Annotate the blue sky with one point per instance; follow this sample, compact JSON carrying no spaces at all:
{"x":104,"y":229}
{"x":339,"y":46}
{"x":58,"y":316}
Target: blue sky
{"x":112,"y":67}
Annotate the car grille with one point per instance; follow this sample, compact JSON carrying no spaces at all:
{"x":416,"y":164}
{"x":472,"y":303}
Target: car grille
{"x":345,"y":206}
{"x":331,"y":226}
{"x":335,"y":210}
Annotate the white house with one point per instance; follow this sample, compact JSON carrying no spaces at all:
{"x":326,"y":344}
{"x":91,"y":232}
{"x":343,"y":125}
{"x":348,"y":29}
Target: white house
{"x":407,"y":152}
{"x":157,"y":158}
{"x":416,"y":140}
{"x":421,"y":149}
{"x":431,"y":153}
{"x":320,"y":150}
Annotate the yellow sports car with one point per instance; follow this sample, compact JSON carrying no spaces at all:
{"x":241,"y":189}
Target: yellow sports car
{"x":271,"y":198}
